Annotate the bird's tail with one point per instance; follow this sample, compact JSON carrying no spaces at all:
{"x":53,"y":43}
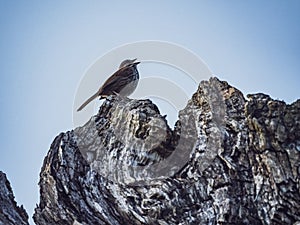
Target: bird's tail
{"x":88,"y":101}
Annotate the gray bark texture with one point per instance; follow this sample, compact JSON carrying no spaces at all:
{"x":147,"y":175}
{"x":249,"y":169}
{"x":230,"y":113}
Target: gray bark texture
{"x":10,"y":213}
{"x":228,"y":161}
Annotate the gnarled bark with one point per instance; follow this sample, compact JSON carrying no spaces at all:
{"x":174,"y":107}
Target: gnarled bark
{"x":10,"y":213}
{"x":228,"y":161}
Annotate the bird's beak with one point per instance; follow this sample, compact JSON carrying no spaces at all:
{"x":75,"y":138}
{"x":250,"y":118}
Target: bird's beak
{"x":133,"y":61}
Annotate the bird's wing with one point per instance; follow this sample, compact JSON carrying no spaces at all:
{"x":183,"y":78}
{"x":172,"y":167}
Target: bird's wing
{"x":117,"y":81}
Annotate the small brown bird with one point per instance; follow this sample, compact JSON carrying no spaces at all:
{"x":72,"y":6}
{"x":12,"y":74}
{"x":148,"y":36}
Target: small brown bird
{"x":123,"y":82}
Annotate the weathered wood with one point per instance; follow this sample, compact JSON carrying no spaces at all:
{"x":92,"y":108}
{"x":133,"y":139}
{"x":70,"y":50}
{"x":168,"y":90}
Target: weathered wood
{"x":229,"y":160}
{"x":10,"y":213}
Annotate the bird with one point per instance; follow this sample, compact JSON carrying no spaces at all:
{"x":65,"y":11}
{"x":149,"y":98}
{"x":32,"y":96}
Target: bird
{"x":123,"y":82}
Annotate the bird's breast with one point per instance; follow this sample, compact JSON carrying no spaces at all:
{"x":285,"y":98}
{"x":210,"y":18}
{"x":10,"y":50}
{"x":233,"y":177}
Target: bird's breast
{"x":131,"y":83}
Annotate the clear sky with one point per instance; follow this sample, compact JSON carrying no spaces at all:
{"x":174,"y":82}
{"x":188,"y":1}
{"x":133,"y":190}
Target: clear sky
{"x":47,"y":46}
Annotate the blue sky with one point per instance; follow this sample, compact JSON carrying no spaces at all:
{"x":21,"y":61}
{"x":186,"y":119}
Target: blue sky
{"x":46,"y":47}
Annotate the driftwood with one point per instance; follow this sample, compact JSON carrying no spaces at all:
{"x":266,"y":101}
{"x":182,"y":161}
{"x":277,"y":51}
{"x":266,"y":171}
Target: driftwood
{"x":229,"y":160}
{"x":10,"y":213}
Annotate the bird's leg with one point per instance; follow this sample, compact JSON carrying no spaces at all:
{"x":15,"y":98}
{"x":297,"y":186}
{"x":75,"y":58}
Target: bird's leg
{"x":116,"y":93}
